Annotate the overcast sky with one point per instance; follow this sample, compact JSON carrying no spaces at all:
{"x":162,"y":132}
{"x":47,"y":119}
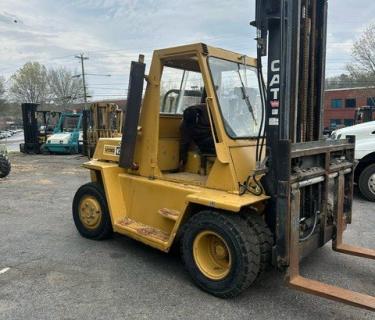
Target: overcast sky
{"x":113,"y":32}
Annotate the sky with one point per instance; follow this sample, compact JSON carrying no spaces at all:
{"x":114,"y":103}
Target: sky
{"x":113,"y":32}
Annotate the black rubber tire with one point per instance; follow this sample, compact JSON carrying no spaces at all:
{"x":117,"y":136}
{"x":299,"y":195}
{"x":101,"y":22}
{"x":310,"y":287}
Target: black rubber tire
{"x":243,"y":246}
{"x":363,"y":182}
{"x":265,"y":237}
{"x":5,"y":165}
{"x":104,"y":230}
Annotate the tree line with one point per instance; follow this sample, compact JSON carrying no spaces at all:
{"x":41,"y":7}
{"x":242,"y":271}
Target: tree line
{"x":57,"y":86}
{"x":34,"y":83}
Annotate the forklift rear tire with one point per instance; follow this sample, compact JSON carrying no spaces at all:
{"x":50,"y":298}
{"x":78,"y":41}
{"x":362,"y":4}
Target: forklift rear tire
{"x":4,"y":166}
{"x":366,"y":182}
{"x":221,"y":252}
{"x":90,"y":212}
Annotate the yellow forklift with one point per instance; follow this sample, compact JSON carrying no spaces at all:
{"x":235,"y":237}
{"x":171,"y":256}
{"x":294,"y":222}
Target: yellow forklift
{"x":270,"y":192}
{"x":101,"y":120}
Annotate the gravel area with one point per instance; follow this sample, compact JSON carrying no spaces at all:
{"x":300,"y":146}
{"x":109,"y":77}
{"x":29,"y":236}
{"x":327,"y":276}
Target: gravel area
{"x":56,"y":274}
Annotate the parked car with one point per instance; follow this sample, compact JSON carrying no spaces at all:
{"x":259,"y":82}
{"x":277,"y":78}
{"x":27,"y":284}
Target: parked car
{"x":3,"y":134}
{"x":364,"y":174}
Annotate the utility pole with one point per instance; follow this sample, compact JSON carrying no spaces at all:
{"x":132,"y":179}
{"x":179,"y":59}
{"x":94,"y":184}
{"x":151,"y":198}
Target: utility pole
{"x":82,"y":58}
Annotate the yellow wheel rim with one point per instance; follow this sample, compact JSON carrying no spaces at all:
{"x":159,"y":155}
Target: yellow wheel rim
{"x":90,"y":212}
{"x":212,"y":255}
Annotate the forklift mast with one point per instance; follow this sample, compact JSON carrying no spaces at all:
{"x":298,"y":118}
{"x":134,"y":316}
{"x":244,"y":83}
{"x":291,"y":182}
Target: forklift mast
{"x":296,"y":67}
{"x":310,"y":180}
{"x":292,"y":33}
{"x":36,"y":127}
{"x":30,"y":126}
{"x":296,"y":35}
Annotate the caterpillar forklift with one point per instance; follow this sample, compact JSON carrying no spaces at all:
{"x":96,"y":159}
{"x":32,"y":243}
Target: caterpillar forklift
{"x":101,"y":120}
{"x":271,"y":191}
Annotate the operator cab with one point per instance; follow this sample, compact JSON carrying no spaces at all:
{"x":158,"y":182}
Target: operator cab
{"x":183,"y":92}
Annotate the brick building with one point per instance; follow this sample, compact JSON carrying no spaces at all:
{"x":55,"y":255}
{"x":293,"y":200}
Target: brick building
{"x":340,"y":105}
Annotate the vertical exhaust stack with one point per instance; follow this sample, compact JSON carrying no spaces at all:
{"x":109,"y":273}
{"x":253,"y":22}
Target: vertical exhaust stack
{"x":133,"y":108}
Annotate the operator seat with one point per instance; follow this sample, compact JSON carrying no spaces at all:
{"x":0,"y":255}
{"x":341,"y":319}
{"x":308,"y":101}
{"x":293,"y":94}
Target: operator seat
{"x":195,"y":128}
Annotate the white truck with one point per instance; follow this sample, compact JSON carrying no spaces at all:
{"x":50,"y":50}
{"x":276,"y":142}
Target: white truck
{"x":364,"y":174}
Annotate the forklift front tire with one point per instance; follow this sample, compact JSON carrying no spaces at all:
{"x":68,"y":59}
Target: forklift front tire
{"x":265,"y":238}
{"x":221,"y":252}
{"x":90,"y":212}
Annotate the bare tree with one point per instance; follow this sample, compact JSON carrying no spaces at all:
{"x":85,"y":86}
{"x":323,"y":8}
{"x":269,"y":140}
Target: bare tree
{"x":63,"y":87}
{"x":363,"y":52}
{"x":29,"y":84}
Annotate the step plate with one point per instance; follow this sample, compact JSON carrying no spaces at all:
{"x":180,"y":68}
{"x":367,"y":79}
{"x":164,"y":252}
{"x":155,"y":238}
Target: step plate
{"x":144,"y":230}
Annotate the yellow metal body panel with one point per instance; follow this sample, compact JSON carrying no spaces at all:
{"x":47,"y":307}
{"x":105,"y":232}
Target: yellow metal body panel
{"x":168,"y":153}
{"x":149,"y":202}
{"x":225,"y":201}
{"x":109,"y":173}
{"x":142,"y":200}
{"x":108,"y":149}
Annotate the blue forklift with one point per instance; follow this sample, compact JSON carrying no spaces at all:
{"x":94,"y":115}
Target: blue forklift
{"x":67,"y":135}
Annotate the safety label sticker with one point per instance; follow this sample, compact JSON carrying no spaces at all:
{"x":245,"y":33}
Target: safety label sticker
{"x":273,"y":121}
{"x":111,"y":150}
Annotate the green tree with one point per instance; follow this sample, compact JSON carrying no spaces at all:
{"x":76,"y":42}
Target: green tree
{"x":29,"y":84}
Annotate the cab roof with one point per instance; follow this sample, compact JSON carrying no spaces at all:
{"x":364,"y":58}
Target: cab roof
{"x":185,"y":56}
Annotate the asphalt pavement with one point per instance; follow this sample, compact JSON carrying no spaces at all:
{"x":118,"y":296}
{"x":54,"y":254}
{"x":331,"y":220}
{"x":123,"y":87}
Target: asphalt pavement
{"x":48,"y":271}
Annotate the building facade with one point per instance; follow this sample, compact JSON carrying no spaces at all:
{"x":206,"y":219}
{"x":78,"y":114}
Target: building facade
{"x":340,"y":105}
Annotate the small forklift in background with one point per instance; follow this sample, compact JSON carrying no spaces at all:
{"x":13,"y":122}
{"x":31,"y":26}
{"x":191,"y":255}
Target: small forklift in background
{"x":101,"y":120}
{"x":273,"y":190}
{"x":66,"y":136}
{"x":38,"y":125}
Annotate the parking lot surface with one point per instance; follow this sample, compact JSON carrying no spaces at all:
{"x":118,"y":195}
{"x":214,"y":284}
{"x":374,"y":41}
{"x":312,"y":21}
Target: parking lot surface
{"x":54,"y":273}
